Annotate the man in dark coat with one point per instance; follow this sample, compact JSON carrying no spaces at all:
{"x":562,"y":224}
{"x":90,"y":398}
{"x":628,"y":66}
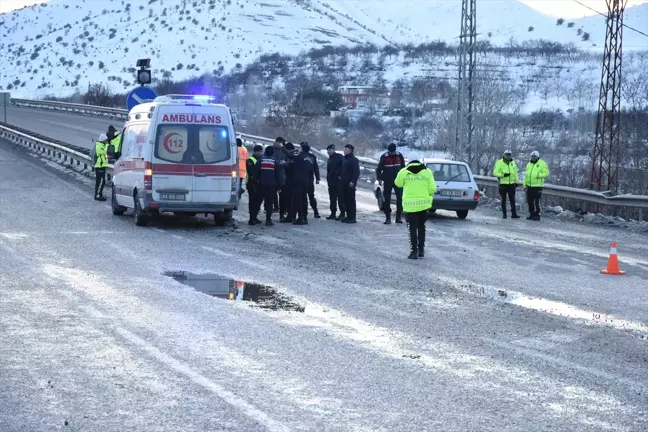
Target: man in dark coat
{"x":303,"y":182}
{"x":311,"y":189}
{"x":253,"y":184}
{"x":333,"y":179}
{"x":350,"y":176}
{"x":391,"y":162}
{"x":272,"y":180}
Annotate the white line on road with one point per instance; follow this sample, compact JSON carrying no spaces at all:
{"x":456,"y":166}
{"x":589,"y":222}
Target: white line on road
{"x":227,"y":396}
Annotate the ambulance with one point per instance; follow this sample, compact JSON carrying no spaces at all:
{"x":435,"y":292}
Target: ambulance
{"x":178,"y":155}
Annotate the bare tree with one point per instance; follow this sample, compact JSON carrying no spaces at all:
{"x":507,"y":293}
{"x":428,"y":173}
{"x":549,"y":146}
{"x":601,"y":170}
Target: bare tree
{"x":99,"y":94}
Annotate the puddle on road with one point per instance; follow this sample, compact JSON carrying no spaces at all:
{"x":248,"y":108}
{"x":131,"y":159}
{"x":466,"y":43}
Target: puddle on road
{"x":262,"y":296}
{"x":556,"y":308}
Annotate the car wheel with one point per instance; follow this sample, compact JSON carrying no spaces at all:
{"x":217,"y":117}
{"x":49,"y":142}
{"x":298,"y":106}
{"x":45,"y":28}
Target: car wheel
{"x":462,"y":214}
{"x":141,"y":218}
{"x":117,"y":210}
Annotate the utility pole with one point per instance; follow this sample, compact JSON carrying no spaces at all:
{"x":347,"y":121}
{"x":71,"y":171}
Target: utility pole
{"x":605,"y":157}
{"x":465,"y":96}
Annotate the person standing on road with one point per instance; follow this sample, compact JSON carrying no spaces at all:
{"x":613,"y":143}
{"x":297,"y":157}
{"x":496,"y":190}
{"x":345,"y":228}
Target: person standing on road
{"x":253,"y":184}
{"x":389,"y":166}
{"x":100,"y":165}
{"x":114,"y":144}
{"x":311,"y":189}
{"x":242,"y":160}
{"x":272,"y":180}
{"x":280,"y":203}
{"x":418,"y":186}
{"x":288,"y":191}
{"x":534,"y":177}
{"x":507,"y":175}
{"x":350,"y":176}
{"x":333,"y":178}
{"x":303,"y":182}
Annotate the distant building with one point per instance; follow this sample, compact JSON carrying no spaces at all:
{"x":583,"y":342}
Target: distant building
{"x":365,"y":98}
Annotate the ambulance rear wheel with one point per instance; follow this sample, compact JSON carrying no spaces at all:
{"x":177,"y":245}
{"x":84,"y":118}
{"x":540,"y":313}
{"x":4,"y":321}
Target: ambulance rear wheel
{"x":221,"y":218}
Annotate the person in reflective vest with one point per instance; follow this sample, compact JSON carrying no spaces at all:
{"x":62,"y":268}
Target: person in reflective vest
{"x":418,"y":186}
{"x":114,"y":143}
{"x":242,"y":161}
{"x":507,"y":176}
{"x":271,"y":179}
{"x":389,"y":166}
{"x":100,"y":165}
{"x":534,"y":177}
{"x":253,"y":184}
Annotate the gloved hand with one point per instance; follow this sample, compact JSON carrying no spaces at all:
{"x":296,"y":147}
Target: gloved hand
{"x":380,"y":182}
{"x":506,"y":174}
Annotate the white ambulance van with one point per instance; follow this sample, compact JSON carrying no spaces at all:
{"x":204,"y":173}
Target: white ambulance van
{"x":179,"y":155}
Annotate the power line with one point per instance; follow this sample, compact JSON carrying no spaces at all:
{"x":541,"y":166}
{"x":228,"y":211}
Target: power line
{"x":604,"y":15}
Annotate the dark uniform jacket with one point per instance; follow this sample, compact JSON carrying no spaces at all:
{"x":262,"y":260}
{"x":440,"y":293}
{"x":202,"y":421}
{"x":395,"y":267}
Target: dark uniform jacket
{"x":271,"y":173}
{"x":253,"y":173}
{"x":389,"y":166}
{"x":315,"y":166}
{"x":334,"y":169}
{"x":350,"y":169}
{"x":304,"y":169}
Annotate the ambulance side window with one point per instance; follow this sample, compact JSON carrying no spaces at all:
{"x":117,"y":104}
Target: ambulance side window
{"x":214,"y":143}
{"x":128,"y":142}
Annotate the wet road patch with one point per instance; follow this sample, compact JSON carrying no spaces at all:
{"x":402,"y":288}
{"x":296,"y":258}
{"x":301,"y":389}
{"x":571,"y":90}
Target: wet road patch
{"x":258,"y":295}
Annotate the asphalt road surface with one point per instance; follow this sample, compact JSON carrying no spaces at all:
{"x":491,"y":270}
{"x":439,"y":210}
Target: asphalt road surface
{"x":504,"y":326}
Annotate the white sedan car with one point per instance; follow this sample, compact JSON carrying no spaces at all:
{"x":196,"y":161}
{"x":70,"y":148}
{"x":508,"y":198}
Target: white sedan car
{"x":456,"y":187}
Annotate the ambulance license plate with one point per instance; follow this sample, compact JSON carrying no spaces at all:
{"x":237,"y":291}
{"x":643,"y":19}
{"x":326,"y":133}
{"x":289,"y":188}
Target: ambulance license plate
{"x":173,"y":197}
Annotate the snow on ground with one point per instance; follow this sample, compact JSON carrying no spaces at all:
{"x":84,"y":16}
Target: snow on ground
{"x":63,"y":45}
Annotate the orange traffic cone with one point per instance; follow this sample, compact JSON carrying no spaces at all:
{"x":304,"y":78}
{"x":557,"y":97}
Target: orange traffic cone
{"x":613,"y":263}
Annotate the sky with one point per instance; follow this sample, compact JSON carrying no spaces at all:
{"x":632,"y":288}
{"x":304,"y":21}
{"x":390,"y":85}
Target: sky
{"x":557,"y":8}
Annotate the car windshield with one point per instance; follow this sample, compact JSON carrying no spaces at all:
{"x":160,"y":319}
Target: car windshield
{"x":449,"y":172}
{"x":193,"y":144}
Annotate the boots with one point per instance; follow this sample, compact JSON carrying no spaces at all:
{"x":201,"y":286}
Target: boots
{"x":412,"y":255}
{"x":421,"y":252}
{"x":398,"y":219}
{"x":316,"y":214}
{"x":387,"y":219}
{"x":269,"y":221}
{"x":331,"y":217}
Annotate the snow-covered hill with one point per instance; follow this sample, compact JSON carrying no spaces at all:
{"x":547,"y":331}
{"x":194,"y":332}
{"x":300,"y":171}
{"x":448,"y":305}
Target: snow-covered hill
{"x":63,"y":45}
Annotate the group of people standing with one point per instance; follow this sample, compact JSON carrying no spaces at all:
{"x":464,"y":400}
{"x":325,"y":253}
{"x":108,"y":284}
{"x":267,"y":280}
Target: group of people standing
{"x":535,"y":175}
{"x":283,"y":178}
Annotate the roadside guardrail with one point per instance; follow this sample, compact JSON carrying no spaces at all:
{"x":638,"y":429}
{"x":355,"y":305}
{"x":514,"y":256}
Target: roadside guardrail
{"x":628,"y":202}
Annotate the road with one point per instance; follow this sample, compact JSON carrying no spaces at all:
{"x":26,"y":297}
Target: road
{"x":502,"y":327}
{"x":79,"y":130}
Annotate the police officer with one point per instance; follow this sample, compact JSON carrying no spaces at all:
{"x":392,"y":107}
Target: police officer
{"x":280,"y":154}
{"x":100,"y":165}
{"x":350,"y":176}
{"x":390,"y":164}
{"x":114,"y":143}
{"x":311,"y":190}
{"x":288,"y":191}
{"x":418,"y":186}
{"x":253,"y":184}
{"x":507,"y":175}
{"x":333,"y":178}
{"x":534,"y":177}
{"x":304,"y":170}
{"x":271,"y":179}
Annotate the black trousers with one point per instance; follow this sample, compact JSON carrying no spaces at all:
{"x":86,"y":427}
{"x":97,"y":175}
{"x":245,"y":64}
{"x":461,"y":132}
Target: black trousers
{"x":349,"y":201}
{"x":240,"y":191}
{"x":255,"y":199}
{"x":286,"y":199}
{"x":311,"y":197}
{"x":301,"y":201}
{"x":508,"y":190}
{"x":534,"y":194}
{"x":416,"y":227}
{"x":269,"y":195}
{"x":100,"y":181}
{"x":387,"y":194}
{"x":334,"y":197}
